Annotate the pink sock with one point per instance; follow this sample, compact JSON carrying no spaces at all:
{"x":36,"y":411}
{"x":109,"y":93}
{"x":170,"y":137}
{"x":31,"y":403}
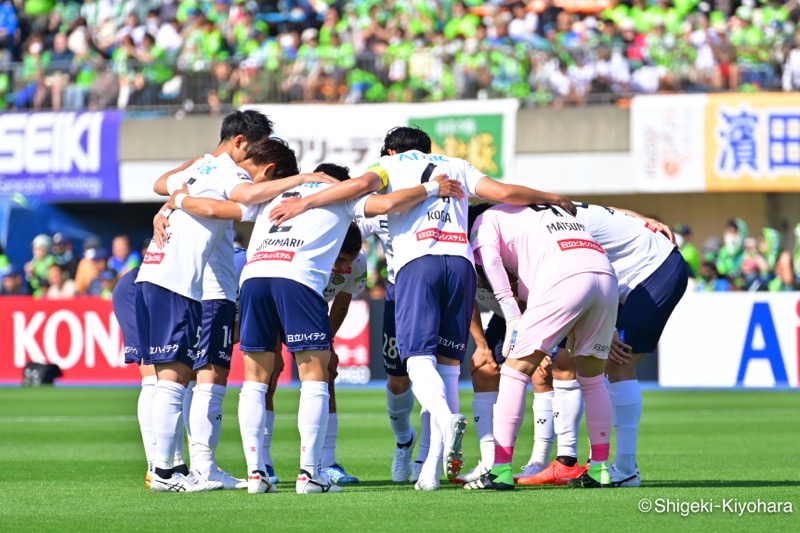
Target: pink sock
{"x":598,"y":415}
{"x":508,"y":412}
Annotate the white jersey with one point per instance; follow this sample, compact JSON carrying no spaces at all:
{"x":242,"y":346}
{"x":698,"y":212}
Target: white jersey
{"x":220,"y":279}
{"x":379,"y":226}
{"x":435,"y":226}
{"x":180,"y":264}
{"x":304,"y":248}
{"x":634,"y":247}
{"x":353,"y":281}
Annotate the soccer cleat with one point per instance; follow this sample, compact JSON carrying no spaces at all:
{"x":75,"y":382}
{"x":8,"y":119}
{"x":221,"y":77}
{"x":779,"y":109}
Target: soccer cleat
{"x":426,"y":484}
{"x":529,"y":470}
{"x":273,"y":479}
{"x":401,"y":464}
{"x":228,"y":481}
{"x":556,"y":473}
{"x":619,"y":480}
{"x":416,"y":470}
{"x":336,"y":474}
{"x":500,"y":478}
{"x":176,"y":483}
{"x":473,"y":475}
{"x":198,"y":479}
{"x":305,"y":484}
{"x":596,"y":477}
{"x":454,"y":457}
{"x":148,"y":477}
{"x":258,"y":483}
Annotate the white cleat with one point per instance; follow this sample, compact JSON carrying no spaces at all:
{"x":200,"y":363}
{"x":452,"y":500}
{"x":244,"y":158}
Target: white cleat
{"x":530,"y":469}
{"x":401,"y":465}
{"x":620,"y":480}
{"x":258,"y":483}
{"x":305,"y":484}
{"x":427,"y":484}
{"x":176,"y":483}
{"x":416,"y":470}
{"x":454,"y":457}
{"x":473,"y":475}
{"x":199,"y":480}
{"x":228,"y":481}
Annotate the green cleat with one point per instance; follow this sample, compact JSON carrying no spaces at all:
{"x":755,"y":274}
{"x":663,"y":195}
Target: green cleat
{"x":596,"y":477}
{"x":501,"y":477}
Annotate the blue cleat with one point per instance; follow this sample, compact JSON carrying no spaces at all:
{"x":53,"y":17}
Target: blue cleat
{"x":336,"y":474}
{"x":271,"y":474}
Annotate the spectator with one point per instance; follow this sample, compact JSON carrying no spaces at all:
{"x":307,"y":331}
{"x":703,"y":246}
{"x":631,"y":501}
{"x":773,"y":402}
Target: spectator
{"x":709,"y":279}
{"x":87,"y":267}
{"x":683,"y":238}
{"x":37,"y":269}
{"x":768,"y":248}
{"x":785,"y":279}
{"x":13,"y":283}
{"x":63,"y":254}
{"x":3,"y":259}
{"x":731,"y":254}
{"x":60,"y":287}
{"x":8,"y":31}
{"x":123,"y":258}
{"x":103,"y":285}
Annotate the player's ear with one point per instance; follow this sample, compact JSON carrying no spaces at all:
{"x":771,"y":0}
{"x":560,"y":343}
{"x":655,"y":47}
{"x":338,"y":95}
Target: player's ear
{"x":240,"y":142}
{"x":269,"y":171}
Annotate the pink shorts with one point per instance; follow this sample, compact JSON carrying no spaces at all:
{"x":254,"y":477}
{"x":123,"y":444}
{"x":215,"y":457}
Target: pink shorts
{"x":583,"y":307}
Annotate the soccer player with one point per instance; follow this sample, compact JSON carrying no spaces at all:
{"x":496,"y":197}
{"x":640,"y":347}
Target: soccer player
{"x":434,"y":276}
{"x":570,"y":287}
{"x":399,"y":398}
{"x":652,"y":278}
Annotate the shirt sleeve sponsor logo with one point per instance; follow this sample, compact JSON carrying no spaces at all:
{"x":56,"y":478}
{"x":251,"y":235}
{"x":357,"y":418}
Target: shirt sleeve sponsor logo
{"x":442,"y":236}
{"x":573,"y":244}
{"x":338,"y":279}
{"x":277,"y":255}
{"x":153,"y":258}
{"x":651,"y":227}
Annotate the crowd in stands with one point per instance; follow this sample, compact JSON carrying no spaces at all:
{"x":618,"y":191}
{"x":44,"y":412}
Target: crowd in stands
{"x":741,"y":262}
{"x":213,"y":54}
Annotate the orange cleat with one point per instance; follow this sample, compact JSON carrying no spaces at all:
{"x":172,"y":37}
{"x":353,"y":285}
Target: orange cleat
{"x":555,"y":474}
{"x":148,"y":477}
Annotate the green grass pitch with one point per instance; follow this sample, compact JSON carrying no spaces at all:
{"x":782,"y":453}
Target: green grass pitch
{"x":72,"y":460}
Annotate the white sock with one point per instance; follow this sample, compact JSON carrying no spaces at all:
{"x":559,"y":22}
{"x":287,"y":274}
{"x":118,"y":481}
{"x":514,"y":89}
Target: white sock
{"x":167,"y":404}
{"x":567,"y":414}
{"x":329,"y":446}
{"x":429,"y":388}
{"x":206,"y":423}
{"x":144,"y":411}
{"x":543,"y":428}
{"x":449,"y":375}
{"x":269,"y":427}
{"x":252,"y":419}
{"x":483,"y":412}
{"x":312,"y":422}
{"x":626,"y":401}
{"x":187,"y":408}
{"x":399,"y":407}
{"x":424,"y":435}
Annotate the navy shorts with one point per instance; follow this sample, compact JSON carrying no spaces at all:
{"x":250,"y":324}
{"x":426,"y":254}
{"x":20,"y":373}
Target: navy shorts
{"x":435,"y":296}
{"x":495,"y":334}
{"x":123,"y":299}
{"x":168,"y":324}
{"x":216,"y":339}
{"x":648,"y":307}
{"x":269,"y":306}
{"x":391,"y":353}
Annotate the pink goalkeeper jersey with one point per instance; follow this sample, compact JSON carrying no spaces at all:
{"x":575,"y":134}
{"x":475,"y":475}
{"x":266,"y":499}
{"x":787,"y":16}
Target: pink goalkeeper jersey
{"x":541,"y":245}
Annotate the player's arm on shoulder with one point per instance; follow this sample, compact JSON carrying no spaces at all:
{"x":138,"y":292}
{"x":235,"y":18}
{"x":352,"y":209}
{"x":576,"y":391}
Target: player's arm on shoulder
{"x":249,"y":193}
{"x":339,"y":308}
{"x":341,"y":192}
{"x":160,"y":186}
{"x":520,"y":195}
{"x":658,"y":226}
{"x":204,"y":207}
{"x":404,"y":199}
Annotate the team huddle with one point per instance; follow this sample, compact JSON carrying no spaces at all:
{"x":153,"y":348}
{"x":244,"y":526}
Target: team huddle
{"x":578,"y":293}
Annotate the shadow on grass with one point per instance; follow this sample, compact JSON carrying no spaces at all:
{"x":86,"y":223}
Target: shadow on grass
{"x":717,"y":483}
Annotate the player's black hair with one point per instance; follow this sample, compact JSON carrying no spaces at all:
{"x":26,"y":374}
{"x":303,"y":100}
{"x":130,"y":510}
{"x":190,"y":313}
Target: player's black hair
{"x":352,"y":241}
{"x":473,"y":212}
{"x":334,"y":170}
{"x":253,"y":124}
{"x":274,"y":150}
{"x":404,"y":138}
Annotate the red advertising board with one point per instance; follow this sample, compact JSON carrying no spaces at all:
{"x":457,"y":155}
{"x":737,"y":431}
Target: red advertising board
{"x":83,"y":338}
